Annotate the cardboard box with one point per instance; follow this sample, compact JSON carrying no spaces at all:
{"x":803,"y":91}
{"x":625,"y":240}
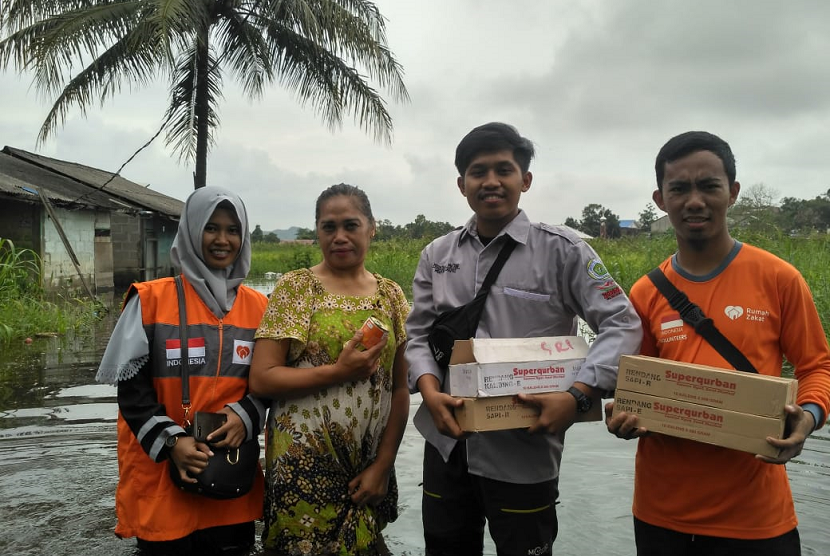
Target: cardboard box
{"x":733,"y":390}
{"x":502,"y":412}
{"x":489,"y":367}
{"x":712,"y":425}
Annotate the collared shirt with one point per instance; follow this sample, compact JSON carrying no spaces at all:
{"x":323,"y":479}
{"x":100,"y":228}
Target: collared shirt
{"x":551,"y":279}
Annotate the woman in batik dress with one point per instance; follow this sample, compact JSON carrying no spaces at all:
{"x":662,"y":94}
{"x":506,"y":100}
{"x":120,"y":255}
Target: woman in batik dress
{"x":339,"y":410}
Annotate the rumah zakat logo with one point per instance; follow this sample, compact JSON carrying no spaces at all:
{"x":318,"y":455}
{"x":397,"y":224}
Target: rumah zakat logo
{"x":242,"y":352}
{"x":734,"y":311}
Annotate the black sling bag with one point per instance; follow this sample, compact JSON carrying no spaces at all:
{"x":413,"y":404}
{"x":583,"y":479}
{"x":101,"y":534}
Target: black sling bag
{"x":703,"y":325}
{"x":461,"y":323}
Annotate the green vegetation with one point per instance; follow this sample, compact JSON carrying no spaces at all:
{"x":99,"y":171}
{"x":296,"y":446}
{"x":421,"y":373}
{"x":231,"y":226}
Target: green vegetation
{"x":755,"y":211}
{"x":24,"y":307}
{"x":394,"y":259}
{"x":281,"y":257}
{"x":627,"y":258}
{"x":417,"y":229}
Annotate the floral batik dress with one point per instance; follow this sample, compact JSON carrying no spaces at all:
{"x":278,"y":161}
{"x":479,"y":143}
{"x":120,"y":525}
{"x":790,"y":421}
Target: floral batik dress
{"x":318,"y":443}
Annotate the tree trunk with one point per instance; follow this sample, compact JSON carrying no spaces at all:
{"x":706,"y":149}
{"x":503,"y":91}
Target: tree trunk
{"x":201,"y":110}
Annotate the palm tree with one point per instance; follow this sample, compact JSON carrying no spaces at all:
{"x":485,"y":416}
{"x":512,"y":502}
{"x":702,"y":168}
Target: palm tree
{"x":318,"y":49}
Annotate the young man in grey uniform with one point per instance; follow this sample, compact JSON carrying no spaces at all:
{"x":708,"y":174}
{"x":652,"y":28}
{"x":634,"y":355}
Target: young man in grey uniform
{"x":509,"y":477}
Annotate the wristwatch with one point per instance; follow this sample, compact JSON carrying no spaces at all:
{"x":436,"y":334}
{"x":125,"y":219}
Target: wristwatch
{"x":171,"y":440}
{"x":583,"y":402}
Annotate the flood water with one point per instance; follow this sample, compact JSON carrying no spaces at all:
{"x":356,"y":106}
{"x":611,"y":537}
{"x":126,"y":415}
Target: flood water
{"x":58,"y":467}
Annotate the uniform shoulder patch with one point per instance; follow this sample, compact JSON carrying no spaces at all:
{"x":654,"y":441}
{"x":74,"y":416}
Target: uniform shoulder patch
{"x":597,"y":270}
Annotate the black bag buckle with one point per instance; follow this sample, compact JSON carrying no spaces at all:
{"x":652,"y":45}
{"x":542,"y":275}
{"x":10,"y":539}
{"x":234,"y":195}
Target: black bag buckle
{"x":689,"y":311}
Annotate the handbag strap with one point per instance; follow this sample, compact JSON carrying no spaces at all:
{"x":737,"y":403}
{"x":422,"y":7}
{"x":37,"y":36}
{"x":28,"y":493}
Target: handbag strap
{"x":493,"y":273}
{"x":183,"y":349}
{"x":692,"y":314}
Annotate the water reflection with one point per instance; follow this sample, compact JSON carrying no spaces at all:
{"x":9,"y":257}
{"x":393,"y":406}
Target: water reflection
{"x":58,"y":467}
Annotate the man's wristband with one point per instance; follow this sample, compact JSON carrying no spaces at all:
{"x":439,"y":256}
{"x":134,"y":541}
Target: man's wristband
{"x":818,"y":415}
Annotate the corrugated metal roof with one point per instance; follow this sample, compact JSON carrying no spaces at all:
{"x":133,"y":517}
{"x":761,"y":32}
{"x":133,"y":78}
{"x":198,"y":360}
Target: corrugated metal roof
{"x":629,"y":224}
{"x":119,"y":190}
{"x":19,"y":178}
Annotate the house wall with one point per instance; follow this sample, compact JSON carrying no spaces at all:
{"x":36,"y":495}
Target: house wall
{"x":58,"y":268}
{"x":103,"y":253}
{"x":140,"y":248}
{"x":20,"y":222}
{"x":165,"y":233}
{"x":125,"y":234}
{"x":660,"y":225}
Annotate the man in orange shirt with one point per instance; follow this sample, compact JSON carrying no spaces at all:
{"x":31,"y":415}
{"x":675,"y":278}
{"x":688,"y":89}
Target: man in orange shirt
{"x":692,"y":498}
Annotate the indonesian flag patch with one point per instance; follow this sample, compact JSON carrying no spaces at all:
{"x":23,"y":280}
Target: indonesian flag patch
{"x":672,"y":320}
{"x":195,"y":348}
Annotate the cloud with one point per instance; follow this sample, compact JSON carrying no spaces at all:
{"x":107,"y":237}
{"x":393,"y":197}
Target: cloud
{"x":598,"y":86}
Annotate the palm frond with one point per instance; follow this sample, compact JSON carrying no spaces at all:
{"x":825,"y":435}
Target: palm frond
{"x":330,"y":86}
{"x":102,"y":79}
{"x":182,"y":124}
{"x":330,"y":53}
{"x":324,"y":69}
{"x":246,"y":52}
{"x":356,"y":32}
{"x":17,"y":14}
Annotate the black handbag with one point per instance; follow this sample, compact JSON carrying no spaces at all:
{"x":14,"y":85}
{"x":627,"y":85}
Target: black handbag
{"x":461,"y":322}
{"x":231,"y":471}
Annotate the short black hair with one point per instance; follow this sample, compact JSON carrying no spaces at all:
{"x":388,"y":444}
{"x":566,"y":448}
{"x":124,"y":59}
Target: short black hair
{"x":691,"y":142}
{"x":490,"y":138}
{"x":360,"y":198}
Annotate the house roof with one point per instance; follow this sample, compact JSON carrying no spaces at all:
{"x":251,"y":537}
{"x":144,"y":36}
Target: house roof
{"x":629,"y":224}
{"x":69,"y":182}
{"x":20,"y":180}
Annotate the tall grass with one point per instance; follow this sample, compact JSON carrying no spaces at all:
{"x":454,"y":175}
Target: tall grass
{"x":394,"y":259}
{"x":25,"y":309}
{"x":627,"y":259}
{"x":281,"y":257}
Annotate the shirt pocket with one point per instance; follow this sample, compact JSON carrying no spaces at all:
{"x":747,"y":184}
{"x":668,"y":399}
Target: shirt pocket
{"x":532,"y":296}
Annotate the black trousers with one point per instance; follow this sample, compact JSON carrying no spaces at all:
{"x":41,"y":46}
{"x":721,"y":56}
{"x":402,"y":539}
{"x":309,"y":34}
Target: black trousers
{"x":455,"y":505}
{"x":227,"y":540}
{"x":657,"y":541}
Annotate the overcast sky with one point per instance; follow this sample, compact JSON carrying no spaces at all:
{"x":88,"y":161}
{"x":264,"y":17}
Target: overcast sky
{"x":599,"y":86}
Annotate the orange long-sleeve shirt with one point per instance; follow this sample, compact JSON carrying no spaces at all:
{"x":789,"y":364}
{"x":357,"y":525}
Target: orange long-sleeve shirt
{"x":764,"y":306}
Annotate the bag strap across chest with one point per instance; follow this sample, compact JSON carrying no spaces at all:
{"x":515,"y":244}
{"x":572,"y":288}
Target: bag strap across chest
{"x":498,"y":264}
{"x":692,"y":314}
{"x":185,"y":366}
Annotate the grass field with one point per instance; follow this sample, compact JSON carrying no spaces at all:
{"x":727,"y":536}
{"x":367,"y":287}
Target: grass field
{"x":25,"y":309}
{"x":627,"y":259}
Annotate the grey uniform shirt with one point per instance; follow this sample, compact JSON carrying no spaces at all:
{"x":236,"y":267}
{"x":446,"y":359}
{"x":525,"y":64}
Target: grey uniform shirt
{"x":551,"y":278}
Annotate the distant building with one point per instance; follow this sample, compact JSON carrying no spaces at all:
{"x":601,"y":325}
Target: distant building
{"x":661,"y":225}
{"x":103,"y":239}
{"x":629,"y":227}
